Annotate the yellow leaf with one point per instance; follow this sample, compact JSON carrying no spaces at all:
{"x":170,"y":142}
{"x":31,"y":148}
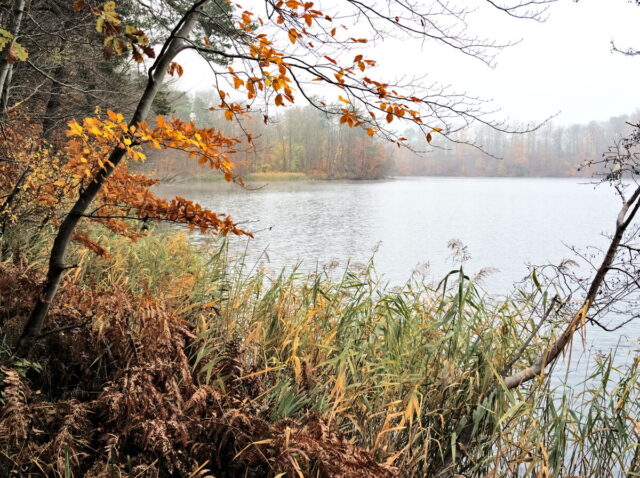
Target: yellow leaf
{"x":74,"y":129}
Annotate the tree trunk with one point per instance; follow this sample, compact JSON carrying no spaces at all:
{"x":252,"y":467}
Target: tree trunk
{"x":15,"y":22}
{"x":172,"y":46}
{"x":59,"y":76}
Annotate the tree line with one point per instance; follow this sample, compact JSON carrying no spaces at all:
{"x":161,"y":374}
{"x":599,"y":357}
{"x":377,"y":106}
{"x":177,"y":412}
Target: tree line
{"x":554,"y":150}
{"x":298,"y":139}
{"x":303,"y":139}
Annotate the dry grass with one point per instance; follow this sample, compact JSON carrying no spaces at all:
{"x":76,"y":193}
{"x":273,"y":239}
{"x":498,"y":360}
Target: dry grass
{"x":190,"y":363}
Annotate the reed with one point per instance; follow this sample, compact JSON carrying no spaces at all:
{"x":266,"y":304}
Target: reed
{"x":398,"y":371}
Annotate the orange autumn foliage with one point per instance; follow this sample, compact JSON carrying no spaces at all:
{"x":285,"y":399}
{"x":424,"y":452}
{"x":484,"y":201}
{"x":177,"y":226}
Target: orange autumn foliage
{"x":128,"y":196}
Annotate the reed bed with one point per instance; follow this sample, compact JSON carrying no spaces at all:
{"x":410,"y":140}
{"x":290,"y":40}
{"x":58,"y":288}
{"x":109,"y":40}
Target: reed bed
{"x":398,"y":372}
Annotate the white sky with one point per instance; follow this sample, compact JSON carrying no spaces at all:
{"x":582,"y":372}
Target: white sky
{"x":563,"y":65}
{"x":566,"y":64}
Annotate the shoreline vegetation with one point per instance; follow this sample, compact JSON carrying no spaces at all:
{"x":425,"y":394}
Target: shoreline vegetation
{"x":165,"y":357}
{"x":279,"y":176}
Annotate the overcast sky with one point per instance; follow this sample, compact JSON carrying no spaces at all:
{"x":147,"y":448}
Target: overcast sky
{"x":562,"y":65}
{"x":566,"y":64}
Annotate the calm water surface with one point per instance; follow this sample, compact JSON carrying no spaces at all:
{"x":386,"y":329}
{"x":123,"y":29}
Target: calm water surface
{"x":506,"y":224}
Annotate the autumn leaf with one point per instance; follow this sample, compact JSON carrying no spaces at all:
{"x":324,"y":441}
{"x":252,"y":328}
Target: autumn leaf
{"x":175,"y":68}
{"x":82,"y":237}
{"x":293,"y":35}
{"x":308,"y":19}
{"x":5,"y":38}
{"x":16,"y":52}
{"x":237,"y":82}
{"x":137,"y":56}
{"x":74,"y":129}
{"x":150,"y":52}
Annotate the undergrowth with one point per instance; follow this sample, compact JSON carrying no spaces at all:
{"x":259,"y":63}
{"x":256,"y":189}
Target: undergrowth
{"x":169,"y":359}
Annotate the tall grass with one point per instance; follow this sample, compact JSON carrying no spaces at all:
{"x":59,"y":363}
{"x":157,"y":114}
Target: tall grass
{"x":399,"y":371}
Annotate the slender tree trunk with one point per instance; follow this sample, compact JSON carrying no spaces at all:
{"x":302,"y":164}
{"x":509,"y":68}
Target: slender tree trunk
{"x":4,"y":98}
{"x":60,"y":75}
{"x":172,"y":46}
{"x":5,"y":210}
{"x":15,"y":22}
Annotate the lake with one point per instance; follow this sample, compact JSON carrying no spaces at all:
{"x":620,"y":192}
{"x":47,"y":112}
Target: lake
{"x":506,"y":223}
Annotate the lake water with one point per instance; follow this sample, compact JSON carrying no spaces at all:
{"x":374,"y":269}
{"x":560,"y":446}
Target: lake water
{"x":506,"y":223}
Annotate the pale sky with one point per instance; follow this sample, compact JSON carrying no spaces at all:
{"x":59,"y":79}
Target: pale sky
{"x":562,"y":65}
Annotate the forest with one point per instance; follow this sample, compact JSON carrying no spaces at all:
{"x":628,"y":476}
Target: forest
{"x":130,"y":347}
{"x":311,"y":143}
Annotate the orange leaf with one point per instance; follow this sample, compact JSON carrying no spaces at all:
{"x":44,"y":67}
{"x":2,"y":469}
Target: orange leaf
{"x":293,"y":34}
{"x":175,"y":68}
{"x":308,"y":19}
